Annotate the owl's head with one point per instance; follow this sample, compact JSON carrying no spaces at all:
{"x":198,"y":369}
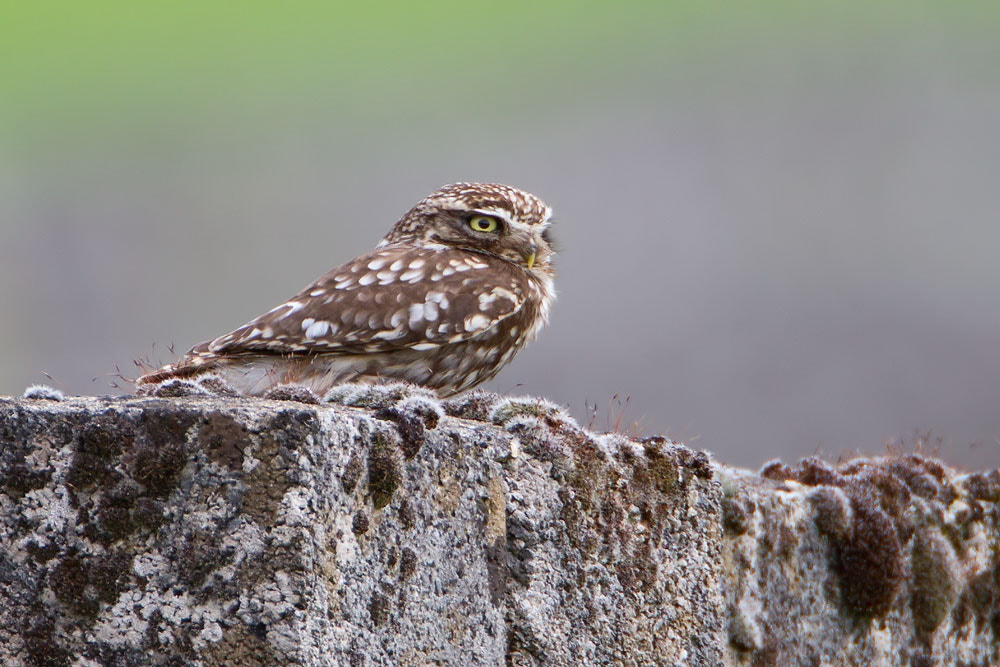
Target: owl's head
{"x":487,"y":218}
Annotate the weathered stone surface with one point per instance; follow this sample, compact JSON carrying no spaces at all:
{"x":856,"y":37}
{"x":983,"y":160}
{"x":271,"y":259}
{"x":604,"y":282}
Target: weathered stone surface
{"x":382,"y":526}
{"x":217,"y":530}
{"x":886,"y":561}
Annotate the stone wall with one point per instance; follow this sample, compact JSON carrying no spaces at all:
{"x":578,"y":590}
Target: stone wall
{"x":388,"y":527}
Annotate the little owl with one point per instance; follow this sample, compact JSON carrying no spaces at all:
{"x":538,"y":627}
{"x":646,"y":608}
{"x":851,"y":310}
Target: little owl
{"x":459,"y":285}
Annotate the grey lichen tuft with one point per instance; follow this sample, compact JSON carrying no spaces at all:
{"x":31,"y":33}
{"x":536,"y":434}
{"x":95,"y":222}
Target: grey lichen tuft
{"x":43,"y":392}
{"x":175,"y":388}
{"x":428,"y":409}
{"x":341,"y":394}
{"x":509,"y":408}
{"x":216,"y":385}
{"x":476,"y":405}
{"x":375,"y":396}
{"x":292,"y":392}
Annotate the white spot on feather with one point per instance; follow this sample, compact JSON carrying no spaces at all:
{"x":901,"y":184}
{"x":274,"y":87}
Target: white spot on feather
{"x":488,"y":298}
{"x":412,"y":276}
{"x":391,"y":334}
{"x":292,"y":306}
{"x":438,"y":298}
{"x":476,"y":322}
{"x":416,"y":315}
{"x":317,"y":329}
{"x":430,"y":311}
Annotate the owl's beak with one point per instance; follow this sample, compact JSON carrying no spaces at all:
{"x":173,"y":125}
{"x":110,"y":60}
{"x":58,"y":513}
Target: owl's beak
{"x":531,"y":255}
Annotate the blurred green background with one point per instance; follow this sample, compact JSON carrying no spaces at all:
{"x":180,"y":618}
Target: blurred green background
{"x":778,"y":220}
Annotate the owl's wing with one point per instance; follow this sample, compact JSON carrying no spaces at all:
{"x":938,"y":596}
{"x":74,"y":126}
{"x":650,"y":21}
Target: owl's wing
{"x":390,"y":299}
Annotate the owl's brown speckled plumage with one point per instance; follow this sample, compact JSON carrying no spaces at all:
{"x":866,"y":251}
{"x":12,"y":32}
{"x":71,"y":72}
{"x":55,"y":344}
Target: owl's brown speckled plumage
{"x":440,"y":302}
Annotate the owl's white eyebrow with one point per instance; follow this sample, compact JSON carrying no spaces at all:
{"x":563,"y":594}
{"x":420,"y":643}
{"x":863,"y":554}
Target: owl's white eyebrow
{"x":495,"y":212}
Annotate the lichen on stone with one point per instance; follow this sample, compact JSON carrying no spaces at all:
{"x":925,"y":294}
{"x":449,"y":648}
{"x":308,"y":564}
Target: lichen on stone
{"x":906,"y":540}
{"x":43,"y":392}
{"x":291,"y":392}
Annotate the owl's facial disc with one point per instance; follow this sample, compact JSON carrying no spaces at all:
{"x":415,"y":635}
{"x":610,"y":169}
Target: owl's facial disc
{"x":527,"y":246}
{"x":485,"y":218}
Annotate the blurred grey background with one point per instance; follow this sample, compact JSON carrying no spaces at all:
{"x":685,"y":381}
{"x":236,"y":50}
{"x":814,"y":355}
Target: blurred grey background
{"x":778,"y":224}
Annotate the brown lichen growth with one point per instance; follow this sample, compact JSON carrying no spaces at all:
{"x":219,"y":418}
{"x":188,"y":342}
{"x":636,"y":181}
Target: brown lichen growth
{"x":413,"y":418}
{"x":292,"y":392}
{"x":619,"y":505}
{"x":268,"y":482}
{"x":84,"y":582}
{"x":980,"y":600}
{"x":360,"y":523}
{"x":352,"y":471}
{"x":984,"y":486}
{"x":379,"y":608}
{"x":936,"y":581}
{"x":736,"y":511}
{"x":885,"y":541}
{"x":475,"y":405}
{"x":225,"y":439}
{"x":384,"y":467}
{"x":898,"y":551}
{"x":832,"y":511}
{"x":160,"y":451}
{"x":777,"y":471}
{"x":869,"y":559}
{"x":199,"y":556}
{"x":407,"y":563}
{"x":244,"y":645}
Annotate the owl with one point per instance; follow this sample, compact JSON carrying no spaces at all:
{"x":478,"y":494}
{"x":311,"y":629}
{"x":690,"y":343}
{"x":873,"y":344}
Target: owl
{"x":455,"y":289}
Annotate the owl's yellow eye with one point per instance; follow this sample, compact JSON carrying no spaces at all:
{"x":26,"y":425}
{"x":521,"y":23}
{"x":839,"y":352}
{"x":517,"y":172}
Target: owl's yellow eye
{"x":484,"y":223}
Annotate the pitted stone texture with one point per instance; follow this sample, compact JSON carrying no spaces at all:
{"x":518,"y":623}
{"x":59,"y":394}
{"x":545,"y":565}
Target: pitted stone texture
{"x":214,"y":530}
{"x":885,"y":561}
